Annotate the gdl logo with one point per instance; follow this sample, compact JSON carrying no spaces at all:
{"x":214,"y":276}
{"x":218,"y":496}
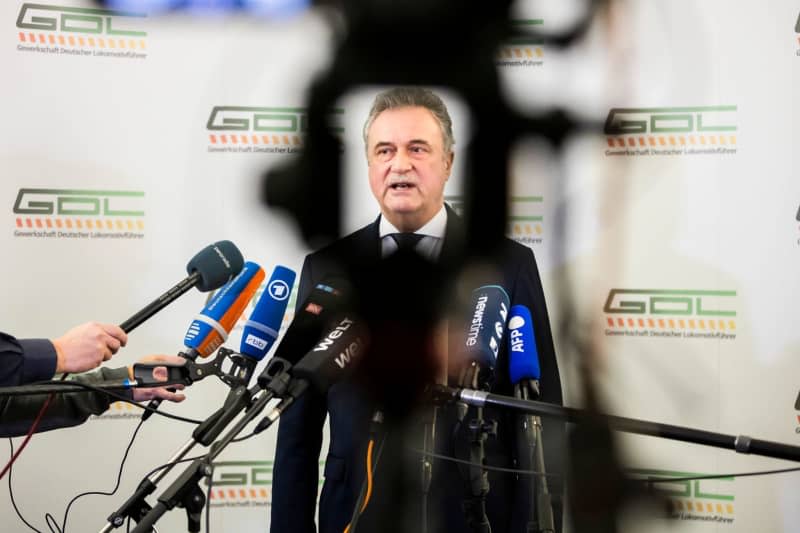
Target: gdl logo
{"x":660,"y":120}
{"x":79,"y":202}
{"x":76,"y":19}
{"x":245,"y":125}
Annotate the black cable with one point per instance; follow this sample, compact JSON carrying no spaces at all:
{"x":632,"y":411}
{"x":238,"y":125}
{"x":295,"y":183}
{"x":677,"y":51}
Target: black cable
{"x":122,"y":399}
{"x":484,"y":466}
{"x":11,"y":492}
{"x":644,"y":480}
{"x":173,"y":463}
{"x":241,"y":439}
{"x":51,"y":522}
{"x":63,"y":528}
{"x":208,"y":499}
{"x":718,"y":476}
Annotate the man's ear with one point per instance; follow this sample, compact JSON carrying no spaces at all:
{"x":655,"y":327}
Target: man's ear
{"x":448,"y":163}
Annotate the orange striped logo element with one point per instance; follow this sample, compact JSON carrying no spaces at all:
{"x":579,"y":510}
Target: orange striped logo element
{"x":88,"y":42}
{"x":294,"y":140}
{"x":59,"y":223}
{"x":652,"y":140}
{"x":699,"y":325}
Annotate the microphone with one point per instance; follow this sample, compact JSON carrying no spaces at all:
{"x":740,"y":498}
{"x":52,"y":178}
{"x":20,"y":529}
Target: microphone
{"x":335,"y":355}
{"x":211,"y":327}
{"x":484,"y":333}
{"x":261,"y":330}
{"x":331,"y":360}
{"x":524,"y":371}
{"x":209,"y":269}
{"x":327,"y":297}
{"x":523,"y":364}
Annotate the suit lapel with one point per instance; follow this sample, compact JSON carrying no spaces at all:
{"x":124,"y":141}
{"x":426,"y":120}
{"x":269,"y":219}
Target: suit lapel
{"x":453,"y":246}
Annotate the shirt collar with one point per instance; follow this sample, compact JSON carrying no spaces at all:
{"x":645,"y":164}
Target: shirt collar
{"x":434,"y":228}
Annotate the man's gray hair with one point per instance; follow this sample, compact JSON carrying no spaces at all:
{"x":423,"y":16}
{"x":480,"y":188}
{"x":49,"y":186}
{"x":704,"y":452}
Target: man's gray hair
{"x":412,"y":96}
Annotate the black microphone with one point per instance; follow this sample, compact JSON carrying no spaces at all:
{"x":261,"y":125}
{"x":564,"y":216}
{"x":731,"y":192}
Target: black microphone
{"x":332,"y":359}
{"x":484,"y":332}
{"x":327,"y":298}
{"x":336,"y":354}
{"x":211,"y":268}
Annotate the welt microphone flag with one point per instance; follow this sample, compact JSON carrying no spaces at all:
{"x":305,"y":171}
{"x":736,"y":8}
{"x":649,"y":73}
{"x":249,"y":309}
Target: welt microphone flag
{"x":264,"y":324}
{"x":210,"y":328}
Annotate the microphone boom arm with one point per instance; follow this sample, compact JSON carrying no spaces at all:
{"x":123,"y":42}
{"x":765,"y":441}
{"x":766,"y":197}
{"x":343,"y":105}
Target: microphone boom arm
{"x":740,"y":443}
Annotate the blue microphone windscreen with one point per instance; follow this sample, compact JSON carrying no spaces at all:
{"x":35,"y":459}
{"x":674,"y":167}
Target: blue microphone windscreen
{"x":523,"y":362}
{"x":486,"y":324}
{"x":217,"y":264}
{"x":261,"y":330}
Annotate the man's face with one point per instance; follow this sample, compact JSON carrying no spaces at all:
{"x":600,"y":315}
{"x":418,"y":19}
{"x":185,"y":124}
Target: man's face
{"x":407,"y":166}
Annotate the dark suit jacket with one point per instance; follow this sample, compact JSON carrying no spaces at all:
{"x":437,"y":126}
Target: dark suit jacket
{"x":295,"y":475}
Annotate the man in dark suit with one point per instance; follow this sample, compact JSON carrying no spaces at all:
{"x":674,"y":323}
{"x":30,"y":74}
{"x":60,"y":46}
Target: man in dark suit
{"x":409,"y":144}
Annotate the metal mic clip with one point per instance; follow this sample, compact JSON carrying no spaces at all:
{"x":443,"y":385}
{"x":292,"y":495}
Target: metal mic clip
{"x":239,"y":372}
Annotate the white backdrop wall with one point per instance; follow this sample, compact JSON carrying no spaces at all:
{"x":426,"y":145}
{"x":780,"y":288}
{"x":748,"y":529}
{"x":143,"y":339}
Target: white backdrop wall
{"x":681,"y":241}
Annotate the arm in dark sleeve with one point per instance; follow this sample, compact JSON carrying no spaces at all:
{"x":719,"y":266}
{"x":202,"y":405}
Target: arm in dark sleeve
{"x":17,"y":413}
{"x":25,"y":360}
{"x":295,"y":478}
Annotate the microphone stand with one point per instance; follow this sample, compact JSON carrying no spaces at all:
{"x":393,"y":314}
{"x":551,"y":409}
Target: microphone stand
{"x":475,"y":433}
{"x":530,"y":454}
{"x":740,"y":443}
{"x":428,"y":445}
{"x":186,"y":485}
{"x":239,"y":398}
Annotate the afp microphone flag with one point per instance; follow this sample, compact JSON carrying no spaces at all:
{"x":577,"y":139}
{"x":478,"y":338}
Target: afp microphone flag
{"x":523,"y":362}
{"x":261,"y":330}
{"x":210,"y":328}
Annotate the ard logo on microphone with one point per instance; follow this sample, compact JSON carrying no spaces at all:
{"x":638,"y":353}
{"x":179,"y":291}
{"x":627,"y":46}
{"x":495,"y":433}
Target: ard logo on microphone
{"x":525,"y":222}
{"x":274,"y":130}
{"x":707,"y":500}
{"x":81,"y":31}
{"x":79,"y":214}
{"x":525,"y":49}
{"x":660,"y":313}
{"x":672,"y":131}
